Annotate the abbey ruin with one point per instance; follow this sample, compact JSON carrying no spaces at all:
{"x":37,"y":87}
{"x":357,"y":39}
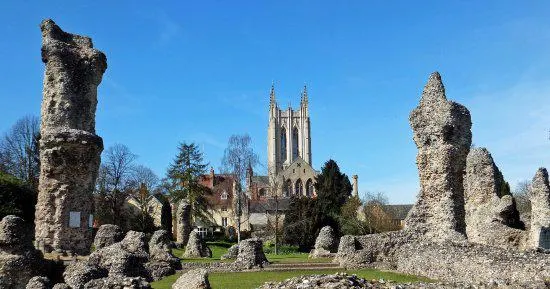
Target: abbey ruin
{"x":463,"y":227}
{"x":69,"y":148}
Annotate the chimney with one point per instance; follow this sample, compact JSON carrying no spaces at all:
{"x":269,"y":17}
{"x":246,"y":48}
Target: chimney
{"x":355,"y":186}
{"x":212,"y":177}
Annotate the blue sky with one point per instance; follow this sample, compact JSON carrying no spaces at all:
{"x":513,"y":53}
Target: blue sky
{"x":201,"y":71}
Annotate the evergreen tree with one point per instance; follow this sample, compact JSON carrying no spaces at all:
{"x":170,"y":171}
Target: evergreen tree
{"x":333,"y":189}
{"x":183,"y":178}
{"x":301,"y":223}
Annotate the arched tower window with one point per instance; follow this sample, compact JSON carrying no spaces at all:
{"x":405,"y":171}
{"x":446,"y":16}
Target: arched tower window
{"x":288,"y":188}
{"x":299,"y":188}
{"x":309,"y":188}
{"x":283,"y":144}
{"x":295,"y":150}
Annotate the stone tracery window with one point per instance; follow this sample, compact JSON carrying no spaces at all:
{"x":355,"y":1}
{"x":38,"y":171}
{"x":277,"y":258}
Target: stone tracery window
{"x":224,"y":195}
{"x":309,"y":188}
{"x":299,"y":188}
{"x":295,"y":149}
{"x":288,"y":188}
{"x":283,"y":144}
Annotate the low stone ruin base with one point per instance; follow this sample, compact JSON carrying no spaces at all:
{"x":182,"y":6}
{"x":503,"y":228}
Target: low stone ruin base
{"x":449,"y":261}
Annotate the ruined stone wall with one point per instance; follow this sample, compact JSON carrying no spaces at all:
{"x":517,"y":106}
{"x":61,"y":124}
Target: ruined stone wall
{"x":491,"y":216}
{"x":443,"y":138}
{"x":69,"y":149}
{"x":433,"y":243}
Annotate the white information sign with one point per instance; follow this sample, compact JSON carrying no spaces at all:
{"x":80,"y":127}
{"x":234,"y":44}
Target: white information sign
{"x":74,"y":219}
{"x":91,"y":221}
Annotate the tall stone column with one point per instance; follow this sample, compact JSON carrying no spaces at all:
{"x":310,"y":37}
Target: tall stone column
{"x":443,"y":138}
{"x":69,"y":148}
{"x":540,"y":210}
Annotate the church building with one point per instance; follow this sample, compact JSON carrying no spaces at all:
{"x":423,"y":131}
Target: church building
{"x":290,"y":173}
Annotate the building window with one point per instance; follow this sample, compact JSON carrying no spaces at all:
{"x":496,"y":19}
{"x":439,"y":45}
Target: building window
{"x":309,"y":188}
{"x":202,"y":232}
{"x":261,"y":193}
{"x":224,"y":209}
{"x":224,"y":195}
{"x":224,"y":222}
{"x":299,"y":187}
{"x":295,"y":150}
{"x":283,"y":144}
{"x":288,"y":188}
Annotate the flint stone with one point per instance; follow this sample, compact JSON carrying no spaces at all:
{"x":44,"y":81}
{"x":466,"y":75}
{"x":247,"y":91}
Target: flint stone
{"x":38,"y":282}
{"x":118,"y":282}
{"x":540,"y":210}
{"x":232,"y":252}
{"x":325,"y":244}
{"x":107,"y":235}
{"x":196,"y":247}
{"x":69,"y":149}
{"x":19,"y":260}
{"x":183,"y":223}
{"x":251,"y":254}
{"x":126,"y":258}
{"x":443,"y":138}
{"x":161,"y":262}
{"x":491,"y":216}
{"x":193,"y":279}
{"x":426,"y":246}
{"x":61,"y":286}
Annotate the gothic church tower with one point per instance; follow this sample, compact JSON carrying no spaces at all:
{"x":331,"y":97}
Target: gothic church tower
{"x":288,"y":134}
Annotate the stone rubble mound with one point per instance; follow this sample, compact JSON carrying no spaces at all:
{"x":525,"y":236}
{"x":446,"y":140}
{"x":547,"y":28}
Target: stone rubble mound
{"x":196,"y":247}
{"x":326,"y":244}
{"x":460,"y":195}
{"x":251,"y":254}
{"x":130,"y":258}
{"x":345,"y":281}
{"x":38,"y":282}
{"x":232,"y":252}
{"x":19,"y":260}
{"x":107,"y":235}
{"x":193,"y":279}
{"x":161,"y":261}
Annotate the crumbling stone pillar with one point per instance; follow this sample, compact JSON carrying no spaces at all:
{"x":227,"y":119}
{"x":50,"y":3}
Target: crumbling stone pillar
{"x":69,"y":148}
{"x":183,"y":220}
{"x":540,"y":210}
{"x":491,"y":215}
{"x":443,"y":138}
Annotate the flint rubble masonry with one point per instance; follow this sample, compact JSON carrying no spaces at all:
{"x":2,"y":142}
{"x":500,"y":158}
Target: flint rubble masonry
{"x":69,"y":148}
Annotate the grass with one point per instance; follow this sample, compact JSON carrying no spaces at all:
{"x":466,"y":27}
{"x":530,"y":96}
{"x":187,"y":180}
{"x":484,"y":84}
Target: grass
{"x":245,"y":280}
{"x":295,"y":258}
{"x":220,"y":248}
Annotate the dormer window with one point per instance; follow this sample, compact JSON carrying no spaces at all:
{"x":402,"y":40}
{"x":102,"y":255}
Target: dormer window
{"x":224,"y":195}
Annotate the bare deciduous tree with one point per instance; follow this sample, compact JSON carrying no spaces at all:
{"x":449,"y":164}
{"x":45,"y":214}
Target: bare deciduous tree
{"x":521,"y":194}
{"x":114,"y":183}
{"x":236,"y":158}
{"x":19,"y":150}
{"x":144,"y":175}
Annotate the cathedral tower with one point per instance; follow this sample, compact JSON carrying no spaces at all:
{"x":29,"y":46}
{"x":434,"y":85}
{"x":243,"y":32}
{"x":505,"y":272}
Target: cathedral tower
{"x":288,"y":134}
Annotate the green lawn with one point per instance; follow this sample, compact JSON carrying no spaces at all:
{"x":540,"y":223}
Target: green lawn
{"x":245,"y":280}
{"x":220,"y":248}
